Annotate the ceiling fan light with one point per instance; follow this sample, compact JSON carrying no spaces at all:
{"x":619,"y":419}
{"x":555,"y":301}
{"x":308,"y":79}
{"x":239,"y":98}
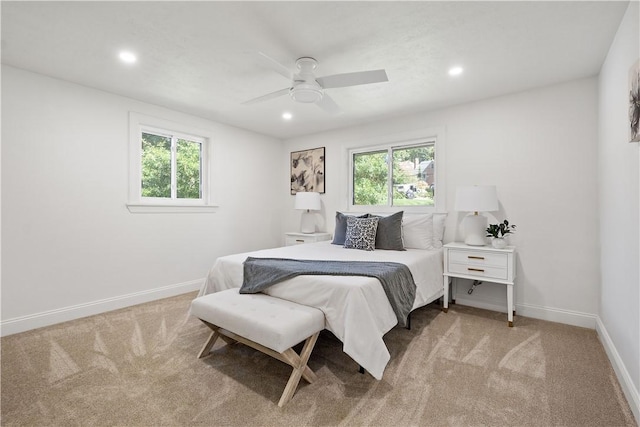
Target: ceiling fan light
{"x":306,"y":93}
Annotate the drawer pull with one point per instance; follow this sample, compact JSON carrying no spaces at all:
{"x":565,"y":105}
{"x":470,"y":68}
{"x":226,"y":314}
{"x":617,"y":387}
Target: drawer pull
{"x":300,"y":241}
{"x":475,"y":257}
{"x":475,"y":269}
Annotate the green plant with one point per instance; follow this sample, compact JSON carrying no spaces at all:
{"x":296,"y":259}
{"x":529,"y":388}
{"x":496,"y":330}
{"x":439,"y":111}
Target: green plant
{"x":500,"y":230}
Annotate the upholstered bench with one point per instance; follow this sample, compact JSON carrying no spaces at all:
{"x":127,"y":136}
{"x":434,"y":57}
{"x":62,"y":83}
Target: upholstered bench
{"x":268,"y":324}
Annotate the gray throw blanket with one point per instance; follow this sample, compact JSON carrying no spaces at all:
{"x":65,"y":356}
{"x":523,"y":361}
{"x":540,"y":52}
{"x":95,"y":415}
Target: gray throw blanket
{"x":396,"y":279}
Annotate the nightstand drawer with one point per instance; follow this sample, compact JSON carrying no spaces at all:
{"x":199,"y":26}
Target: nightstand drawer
{"x":479,"y":270}
{"x":290,"y":241}
{"x":477,"y":258}
{"x":292,"y":238}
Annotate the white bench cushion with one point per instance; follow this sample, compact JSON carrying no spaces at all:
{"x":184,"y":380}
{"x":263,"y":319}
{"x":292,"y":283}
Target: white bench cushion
{"x":272,"y":322}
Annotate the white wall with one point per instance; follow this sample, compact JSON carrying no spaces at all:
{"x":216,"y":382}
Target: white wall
{"x":70,"y":247}
{"x":539,"y":149}
{"x":618,"y":179}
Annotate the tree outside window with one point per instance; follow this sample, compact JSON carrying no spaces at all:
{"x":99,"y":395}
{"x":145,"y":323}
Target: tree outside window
{"x":171,"y":167}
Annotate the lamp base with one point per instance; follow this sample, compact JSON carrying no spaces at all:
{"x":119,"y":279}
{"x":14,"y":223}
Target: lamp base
{"x":307,"y":223}
{"x":475,"y":229}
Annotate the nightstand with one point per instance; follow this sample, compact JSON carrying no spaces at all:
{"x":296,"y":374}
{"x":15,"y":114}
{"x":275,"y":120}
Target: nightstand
{"x":294,"y":238}
{"x":483,"y":263}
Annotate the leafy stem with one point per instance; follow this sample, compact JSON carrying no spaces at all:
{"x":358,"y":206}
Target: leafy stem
{"x":500,"y":230}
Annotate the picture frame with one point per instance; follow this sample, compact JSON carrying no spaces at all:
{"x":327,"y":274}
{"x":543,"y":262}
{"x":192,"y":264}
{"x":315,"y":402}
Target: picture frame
{"x":307,"y":170}
{"x":634,"y":102}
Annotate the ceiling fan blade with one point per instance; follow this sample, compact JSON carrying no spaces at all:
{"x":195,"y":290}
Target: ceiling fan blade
{"x":352,"y":79}
{"x":276,"y":66}
{"x":329,"y":105}
{"x":267,"y":96}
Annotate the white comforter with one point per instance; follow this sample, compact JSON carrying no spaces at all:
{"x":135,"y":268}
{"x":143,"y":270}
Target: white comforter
{"x":356,"y":308}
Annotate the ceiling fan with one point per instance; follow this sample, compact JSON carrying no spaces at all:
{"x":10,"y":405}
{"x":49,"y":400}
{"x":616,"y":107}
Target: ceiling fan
{"x":307,"y":88}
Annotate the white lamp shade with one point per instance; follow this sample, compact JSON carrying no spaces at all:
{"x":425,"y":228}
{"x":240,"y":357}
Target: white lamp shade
{"x":477,"y":198}
{"x":308,"y":200}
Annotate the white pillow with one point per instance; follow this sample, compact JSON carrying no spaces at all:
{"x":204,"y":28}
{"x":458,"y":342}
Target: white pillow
{"x":417,"y":231}
{"x":423,"y":231}
{"x":438,"y":229}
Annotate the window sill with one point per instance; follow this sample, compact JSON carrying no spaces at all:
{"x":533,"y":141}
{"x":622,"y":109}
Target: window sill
{"x":170,"y":208}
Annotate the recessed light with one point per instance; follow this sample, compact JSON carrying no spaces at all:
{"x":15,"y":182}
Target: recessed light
{"x":455,"y":71}
{"x":127,"y":57}
{"x":287,"y":116}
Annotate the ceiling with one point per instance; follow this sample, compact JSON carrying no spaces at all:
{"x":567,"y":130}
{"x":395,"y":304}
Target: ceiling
{"x":202,"y":58}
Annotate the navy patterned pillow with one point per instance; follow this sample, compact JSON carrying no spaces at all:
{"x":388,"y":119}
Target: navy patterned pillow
{"x":361,"y":233}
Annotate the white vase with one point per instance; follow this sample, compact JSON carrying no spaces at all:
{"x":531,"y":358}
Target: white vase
{"x":499,"y":242}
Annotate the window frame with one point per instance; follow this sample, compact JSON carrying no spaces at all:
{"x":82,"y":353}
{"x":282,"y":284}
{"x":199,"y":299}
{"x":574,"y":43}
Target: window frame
{"x":390,"y":143}
{"x":139,"y":123}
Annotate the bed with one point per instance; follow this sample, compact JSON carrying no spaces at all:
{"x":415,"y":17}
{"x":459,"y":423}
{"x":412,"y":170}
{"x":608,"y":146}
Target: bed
{"x":356,"y":308}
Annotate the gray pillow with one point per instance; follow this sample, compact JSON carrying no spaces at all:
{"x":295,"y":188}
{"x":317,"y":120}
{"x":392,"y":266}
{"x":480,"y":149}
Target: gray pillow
{"x":340,"y":232}
{"x":361,"y":233}
{"x":389,"y":234}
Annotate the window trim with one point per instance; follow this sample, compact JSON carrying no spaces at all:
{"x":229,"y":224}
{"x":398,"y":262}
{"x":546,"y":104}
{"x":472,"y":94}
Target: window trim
{"x":138,"y":123}
{"x":401,"y":140}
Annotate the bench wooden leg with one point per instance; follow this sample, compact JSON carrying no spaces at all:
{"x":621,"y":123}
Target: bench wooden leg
{"x":297,"y":361}
{"x":215,"y":334}
{"x":299,"y":364}
{"x":210,"y":342}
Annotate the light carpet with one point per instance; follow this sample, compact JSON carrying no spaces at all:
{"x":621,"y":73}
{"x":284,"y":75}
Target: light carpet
{"x":138,"y":367}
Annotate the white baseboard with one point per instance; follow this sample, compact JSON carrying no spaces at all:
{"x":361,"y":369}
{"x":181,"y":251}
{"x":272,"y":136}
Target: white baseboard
{"x":51,"y":317}
{"x":492,"y":296}
{"x":567,"y":317}
{"x":628,"y":388}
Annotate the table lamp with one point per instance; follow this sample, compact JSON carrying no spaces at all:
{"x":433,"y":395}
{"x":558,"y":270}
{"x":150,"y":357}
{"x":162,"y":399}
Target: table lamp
{"x":307,"y":201}
{"x":476,"y":198}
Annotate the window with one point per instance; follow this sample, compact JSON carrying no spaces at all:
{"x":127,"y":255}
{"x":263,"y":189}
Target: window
{"x":169,"y":166}
{"x":394,"y":176}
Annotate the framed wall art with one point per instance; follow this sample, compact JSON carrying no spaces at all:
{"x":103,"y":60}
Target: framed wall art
{"x":307,"y":170}
{"x":634,"y":102}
